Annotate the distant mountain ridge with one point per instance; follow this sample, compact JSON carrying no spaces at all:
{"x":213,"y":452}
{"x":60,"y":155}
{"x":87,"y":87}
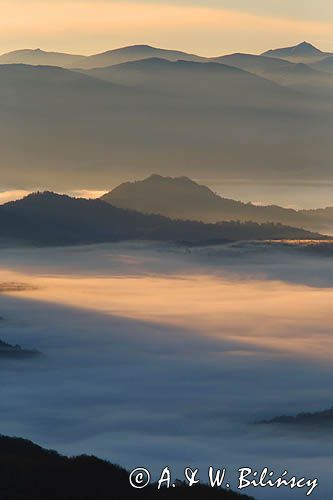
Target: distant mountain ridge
{"x":188,"y":115}
{"x":283,"y":66}
{"x":52,"y":219}
{"x":107,"y":58}
{"x":320,"y":420}
{"x":292,"y":74}
{"x":303,"y":52}
{"x":251,"y":122}
{"x":39,"y":57}
{"x":135,"y":53}
{"x":159,"y":73}
{"x":191,"y":78}
{"x":181,"y":197}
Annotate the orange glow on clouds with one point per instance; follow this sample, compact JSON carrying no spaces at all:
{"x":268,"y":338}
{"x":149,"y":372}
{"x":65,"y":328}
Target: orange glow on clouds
{"x":18,"y":194}
{"x":291,"y":320}
{"x":90,"y":26}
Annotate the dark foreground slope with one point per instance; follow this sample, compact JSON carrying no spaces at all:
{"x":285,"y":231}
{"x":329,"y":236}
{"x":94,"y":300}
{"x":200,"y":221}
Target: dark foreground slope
{"x":52,"y":219}
{"x":28,"y":472}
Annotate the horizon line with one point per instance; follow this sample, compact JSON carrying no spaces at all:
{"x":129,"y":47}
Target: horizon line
{"x":119,"y":47}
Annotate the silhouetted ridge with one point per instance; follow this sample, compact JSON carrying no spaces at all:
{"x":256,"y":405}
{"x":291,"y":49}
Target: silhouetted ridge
{"x":319,"y":420}
{"x":52,"y":219}
{"x":29,"y":472}
{"x":303,"y":50}
{"x":181,"y":118}
{"x":134,"y":53}
{"x":15,"y":351}
{"x":38,"y":56}
{"x":183,"y":198}
{"x":296,"y":75}
{"x":159,"y":62}
{"x":44,"y":79}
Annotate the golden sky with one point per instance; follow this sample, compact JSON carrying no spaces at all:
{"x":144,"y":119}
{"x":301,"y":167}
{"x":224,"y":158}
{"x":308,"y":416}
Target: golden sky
{"x":210,"y":28}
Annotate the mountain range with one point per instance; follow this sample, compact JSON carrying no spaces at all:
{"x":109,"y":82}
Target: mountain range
{"x":151,"y":72}
{"x":65,"y":129}
{"x":51,"y":219}
{"x":227,"y":84}
{"x":107,"y":58}
{"x":307,"y":64}
{"x":182,"y":198}
{"x":149,"y":109}
{"x":134,"y":53}
{"x":303,"y":52}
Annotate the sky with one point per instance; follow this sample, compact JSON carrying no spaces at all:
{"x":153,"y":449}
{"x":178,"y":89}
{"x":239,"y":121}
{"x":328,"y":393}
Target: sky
{"x":207,"y":27}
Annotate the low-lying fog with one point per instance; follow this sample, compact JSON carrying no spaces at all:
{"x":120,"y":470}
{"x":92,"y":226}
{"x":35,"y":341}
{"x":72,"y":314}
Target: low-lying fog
{"x":161,"y":355}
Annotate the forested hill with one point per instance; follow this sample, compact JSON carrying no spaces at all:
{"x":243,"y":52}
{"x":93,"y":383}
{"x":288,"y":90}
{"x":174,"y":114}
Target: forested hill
{"x":52,"y":219}
{"x":29,"y":472}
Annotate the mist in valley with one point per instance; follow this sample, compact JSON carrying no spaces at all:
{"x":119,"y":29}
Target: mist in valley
{"x":166,"y":214}
{"x":160,"y":354}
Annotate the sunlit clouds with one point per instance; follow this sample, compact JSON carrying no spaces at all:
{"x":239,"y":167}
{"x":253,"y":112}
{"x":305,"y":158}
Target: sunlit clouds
{"x":273,"y":315}
{"x":13,"y":195}
{"x":17,"y":194}
{"x":85,"y":26}
{"x":152,"y":351}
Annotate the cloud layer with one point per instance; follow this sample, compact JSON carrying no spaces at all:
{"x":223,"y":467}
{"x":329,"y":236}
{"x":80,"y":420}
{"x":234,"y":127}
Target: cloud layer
{"x":155,"y":356}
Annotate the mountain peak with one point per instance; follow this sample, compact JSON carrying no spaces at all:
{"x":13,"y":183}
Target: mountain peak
{"x":39,"y":197}
{"x":127,"y":49}
{"x":162,"y":195}
{"x":306,"y":48}
{"x":160,"y":179}
{"x":183,"y":198}
{"x":306,"y":44}
{"x":303,"y":50}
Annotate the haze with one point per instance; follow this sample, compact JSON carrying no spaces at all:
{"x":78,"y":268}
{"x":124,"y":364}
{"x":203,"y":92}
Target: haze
{"x":154,"y":354}
{"x":179,"y":319}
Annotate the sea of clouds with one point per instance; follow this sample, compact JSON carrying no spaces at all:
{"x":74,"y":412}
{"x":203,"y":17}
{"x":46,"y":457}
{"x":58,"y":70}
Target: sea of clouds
{"x":164,"y":355}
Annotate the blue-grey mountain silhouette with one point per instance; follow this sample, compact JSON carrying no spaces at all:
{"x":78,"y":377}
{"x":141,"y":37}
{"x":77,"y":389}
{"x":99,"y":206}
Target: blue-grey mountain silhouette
{"x":134,"y":53}
{"x":182,"y":198}
{"x":170,"y":117}
{"x":52,"y":219}
{"x":40,"y":57}
{"x":15,"y":351}
{"x":303,"y":52}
